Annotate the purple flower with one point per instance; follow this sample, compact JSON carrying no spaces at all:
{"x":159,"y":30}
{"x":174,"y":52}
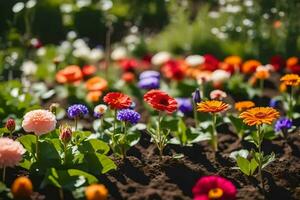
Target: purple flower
{"x":184,"y":105}
{"x":149,"y":74}
{"x":283,"y":124}
{"x":274,"y":103}
{"x":128,"y":115}
{"x":196,"y":96}
{"x":77,"y":110}
{"x":149,"y":83}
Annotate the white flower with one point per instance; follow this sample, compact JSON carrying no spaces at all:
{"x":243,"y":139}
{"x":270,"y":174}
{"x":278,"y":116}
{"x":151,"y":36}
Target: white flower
{"x":161,"y":58}
{"x":194,"y":60}
{"x":18,"y":7}
{"x":30,"y":4}
{"x":219,"y":76}
{"x":71,"y":35}
{"x":41,"y":51}
{"x":218,"y":94}
{"x":29,"y":67}
{"x":79,"y":43}
{"x":82,"y":53}
{"x":96,"y":54}
{"x":267,"y":67}
{"x":100,"y":109}
{"x":64,"y":47}
{"x":119,"y":53}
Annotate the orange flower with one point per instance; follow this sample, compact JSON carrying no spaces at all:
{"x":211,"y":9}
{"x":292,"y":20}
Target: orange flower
{"x":128,"y":77}
{"x":259,"y":116}
{"x":96,"y":192}
{"x":96,"y":84}
{"x":250,"y":66}
{"x":88,"y":70}
{"x":22,"y":188}
{"x":290,"y":79}
{"x":233,"y":60}
{"x":70,"y":74}
{"x":94,"y":96}
{"x":243,"y":105}
{"x":262,"y":73}
{"x":212,"y":106}
{"x":292,"y":61}
{"x":282,"y":87}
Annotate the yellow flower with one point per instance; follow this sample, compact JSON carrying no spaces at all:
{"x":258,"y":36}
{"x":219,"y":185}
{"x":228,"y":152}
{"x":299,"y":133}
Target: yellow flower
{"x":259,"y":116}
{"x":290,"y":79}
{"x":96,"y":192}
{"x":243,"y":105}
{"x":212,"y":106}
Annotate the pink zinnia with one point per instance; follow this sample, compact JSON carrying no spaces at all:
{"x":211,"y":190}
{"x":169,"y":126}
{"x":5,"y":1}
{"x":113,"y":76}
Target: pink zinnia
{"x":214,"y":187}
{"x":39,"y":122}
{"x":10,"y":152}
{"x":218,"y":94}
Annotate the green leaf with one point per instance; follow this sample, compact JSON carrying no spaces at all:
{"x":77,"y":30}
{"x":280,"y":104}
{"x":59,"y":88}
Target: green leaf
{"x":68,"y":179}
{"x":94,"y":145}
{"x":29,"y":142}
{"x":97,"y":163}
{"x":268,"y":159}
{"x":244,"y":165}
{"x":169,"y":123}
{"x":253,"y":166}
{"x":236,"y":122}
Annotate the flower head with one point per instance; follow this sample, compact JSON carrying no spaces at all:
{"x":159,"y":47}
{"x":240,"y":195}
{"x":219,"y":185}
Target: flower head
{"x":214,"y":187}
{"x":10,"y":124}
{"x":293,"y":64}
{"x":96,"y":192}
{"x":194,"y":60}
{"x":149,"y":74}
{"x":196,"y":96}
{"x":149,"y":83}
{"x":283,"y":124}
{"x":39,"y":122}
{"x":218,"y":94}
{"x":99,"y":110}
{"x":88,"y":70}
{"x":160,"y":58}
{"x":70,"y":74}
{"x":184,"y":105}
{"x":96,"y":84}
{"x":161,"y":101}
{"x":243,"y":105}
{"x":128,"y":115}
{"x":259,"y":116}
{"x":22,"y":188}
{"x":117,"y":100}
{"x":262,"y":73}
{"x":65,"y":133}
{"x":10,"y":152}
{"x":77,"y":111}
{"x":128,"y":77}
{"x":212,"y":106}
{"x":291,"y":79}
{"x":250,"y":66}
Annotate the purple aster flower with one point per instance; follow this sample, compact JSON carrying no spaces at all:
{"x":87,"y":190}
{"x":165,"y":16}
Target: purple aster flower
{"x":77,"y":110}
{"x":128,"y":115}
{"x":150,"y":74}
{"x":196,"y":96}
{"x":184,"y":105}
{"x":274,"y":103}
{"x":149,"y":83}
{"x":283,"y":124}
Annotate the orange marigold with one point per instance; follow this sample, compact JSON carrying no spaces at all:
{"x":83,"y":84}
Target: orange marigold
{"x":96,"y":84}
{"x":96,"y":192}
{"x":262,"y":74}
{"x":244,"y":105}
{"x":291,"y":61}
{"x":212,"y":106}
{"x":233,"y":60}
{"x":290,"y":79}
{"x":259,"y":116}
{"x":250,"y":66}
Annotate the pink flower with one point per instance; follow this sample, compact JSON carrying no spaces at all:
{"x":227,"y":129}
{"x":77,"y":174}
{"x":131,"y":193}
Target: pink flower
{"x":214,"y":187}
{"x":39,"y":122}
{"x":218,"y":94}
{"x":10,"y":152}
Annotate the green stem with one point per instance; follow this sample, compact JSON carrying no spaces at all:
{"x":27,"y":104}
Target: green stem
{"x":115,"y":126}
{"x":124,"y":142}
{"x":195,"y":115}
{"x":290,"y":111}
{"x":214,"y":138}
{"x":3,"y":174}
{"x":160,"y":139}
{"x":37,"y":147}
{"x":65,"y":154}
{"x":260,"y":138}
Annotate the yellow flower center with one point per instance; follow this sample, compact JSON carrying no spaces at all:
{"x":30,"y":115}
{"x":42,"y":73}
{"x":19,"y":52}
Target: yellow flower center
{"x":215,"y":193}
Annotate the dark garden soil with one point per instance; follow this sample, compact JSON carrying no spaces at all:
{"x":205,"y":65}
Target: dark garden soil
{"x":144,"y":176}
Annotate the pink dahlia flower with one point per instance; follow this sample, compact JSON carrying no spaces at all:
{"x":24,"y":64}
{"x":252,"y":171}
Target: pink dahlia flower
{"x":214,"y":187}
{"x":10,"y":152}
{"x":39,"y":122}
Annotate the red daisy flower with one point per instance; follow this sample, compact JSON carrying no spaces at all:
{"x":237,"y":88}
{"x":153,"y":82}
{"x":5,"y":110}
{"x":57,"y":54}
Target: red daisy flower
{"x":117,"y":100}
{"x":161,"y":101}
{"x":214,"y":187}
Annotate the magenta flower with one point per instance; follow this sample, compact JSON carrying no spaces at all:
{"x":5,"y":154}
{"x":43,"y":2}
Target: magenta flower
{"x":214,"y":187}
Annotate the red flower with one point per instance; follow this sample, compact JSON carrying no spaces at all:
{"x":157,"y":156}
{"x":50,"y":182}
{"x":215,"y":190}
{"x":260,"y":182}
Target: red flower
{"x":293,"y":65}
{"x":128,"y":77}
{"x":277,"y":62}
{"x":214,"y":187}
{"x":128,"y":64}
{"x":161,"y":101}
{"x":174,"y":69}
{"x":117,"y":100}
{"x":211,"y":63}
{"x":88,"y":70}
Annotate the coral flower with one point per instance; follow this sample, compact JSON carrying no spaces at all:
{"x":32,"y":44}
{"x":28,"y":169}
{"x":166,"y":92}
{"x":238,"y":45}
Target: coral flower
{"x":212,"y":106}
{"x":161,"y":101}
{"x":214,"y":187}
{"x":293,"y":65}
{"x":96,"y":192}
{"x":70,"y":74}
{"x":93,"y":96}
{"x":128,"y":77}
{"x":218,"y":94}
{"x":96,"y":84}
{"x":39,"y":122}
{"x":10,"y":152}
{"x":117,"y":100}
{"x":88,"y":70}
{"x":174,"y":69}
{"x":290,"y":79}
{"x":259,"y":116}
{"x":243,"y":105}
{"x":250,"y":66}
{"x":262,"y":73}
{"x":22,"y":188}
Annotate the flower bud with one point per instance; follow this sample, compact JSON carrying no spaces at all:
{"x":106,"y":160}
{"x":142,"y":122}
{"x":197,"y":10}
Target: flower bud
{"x":10,"y":124}
{"x":65,"y":133}
{"x":22,"y":188}
{"x":96,"y":192}
{"x":53,"y":108}
{"x":197,"y":96}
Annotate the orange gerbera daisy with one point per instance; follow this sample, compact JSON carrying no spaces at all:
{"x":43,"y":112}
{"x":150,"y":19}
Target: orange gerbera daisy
{"x":291,"y":79}
{"x":212,"y":106}
{"x":244,"y":105}
{"x":259,"y":116}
